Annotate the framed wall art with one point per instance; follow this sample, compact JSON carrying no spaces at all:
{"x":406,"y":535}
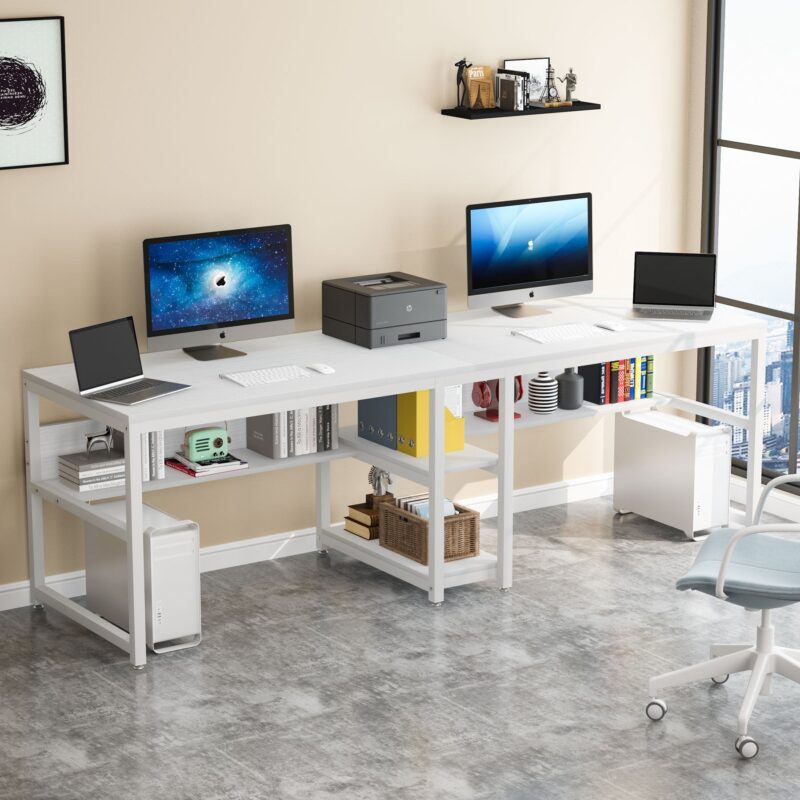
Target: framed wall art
{"x":33,"y":93}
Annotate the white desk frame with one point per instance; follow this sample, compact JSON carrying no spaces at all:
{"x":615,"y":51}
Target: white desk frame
{"x":478,"y":347}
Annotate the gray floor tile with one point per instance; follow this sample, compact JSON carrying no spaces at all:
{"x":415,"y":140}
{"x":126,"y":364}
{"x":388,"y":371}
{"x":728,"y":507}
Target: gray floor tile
{"x":322,"y":678}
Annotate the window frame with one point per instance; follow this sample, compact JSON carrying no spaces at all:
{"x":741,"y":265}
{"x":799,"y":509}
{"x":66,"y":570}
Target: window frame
{"x":713,"y":145}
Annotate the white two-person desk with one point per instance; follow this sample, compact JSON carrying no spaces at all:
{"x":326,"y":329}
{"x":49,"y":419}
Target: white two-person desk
{"x":478,"y":347}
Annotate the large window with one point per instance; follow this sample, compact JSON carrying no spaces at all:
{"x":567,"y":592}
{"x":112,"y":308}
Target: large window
{"x":752,"y":208}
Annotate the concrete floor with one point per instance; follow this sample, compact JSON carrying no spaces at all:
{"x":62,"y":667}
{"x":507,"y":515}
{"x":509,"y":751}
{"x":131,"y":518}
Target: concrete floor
{"x":320,"y":677}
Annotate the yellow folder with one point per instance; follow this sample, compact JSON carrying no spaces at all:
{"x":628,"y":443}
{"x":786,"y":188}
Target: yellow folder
{"x":413,"y":428}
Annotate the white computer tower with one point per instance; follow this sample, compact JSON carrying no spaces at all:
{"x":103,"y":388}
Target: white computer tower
{"x":672,"y":470}
{"x":172,"y":577}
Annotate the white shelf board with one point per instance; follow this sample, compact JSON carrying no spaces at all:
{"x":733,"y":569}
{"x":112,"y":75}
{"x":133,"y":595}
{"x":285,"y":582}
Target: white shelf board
{"x":466,"y":570}
{"x":415,"y":469}
{"x":257,"y":464}
{"x":477,"y":426}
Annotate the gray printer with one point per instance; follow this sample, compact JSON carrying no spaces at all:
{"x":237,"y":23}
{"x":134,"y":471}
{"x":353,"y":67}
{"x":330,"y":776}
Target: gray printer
{"x":384,"y":309}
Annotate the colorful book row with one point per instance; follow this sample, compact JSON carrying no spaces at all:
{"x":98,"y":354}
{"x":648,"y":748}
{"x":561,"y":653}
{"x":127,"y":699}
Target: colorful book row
{"x":618,"y":381}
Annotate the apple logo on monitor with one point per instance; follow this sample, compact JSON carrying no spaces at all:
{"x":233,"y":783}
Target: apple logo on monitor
{"x":530,"y":244}
{"x":220,"y":281}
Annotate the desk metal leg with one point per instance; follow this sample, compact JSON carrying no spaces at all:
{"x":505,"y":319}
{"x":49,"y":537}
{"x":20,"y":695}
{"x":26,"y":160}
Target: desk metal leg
{"x":755,"y":427}
{"x":33,"y":455}
{"x":323,"y":492}
{"x":133,"y":508}
{"x":437,"y":489}
{"x":505,"y":485}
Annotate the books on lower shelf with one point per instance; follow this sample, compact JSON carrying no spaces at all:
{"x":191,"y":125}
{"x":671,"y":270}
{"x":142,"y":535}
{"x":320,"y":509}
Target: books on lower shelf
{"x":618,"y":381}
{"x":199,"y":469}
{"x":362,"y":518}
{"x":294,"y":433}
{"x":95,"y":469}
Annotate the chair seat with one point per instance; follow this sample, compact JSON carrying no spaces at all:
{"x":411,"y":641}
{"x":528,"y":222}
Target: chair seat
{"x":764,"y":571}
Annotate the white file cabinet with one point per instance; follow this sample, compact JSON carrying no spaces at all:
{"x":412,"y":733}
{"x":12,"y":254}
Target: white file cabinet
{"x":172,"y":577}
{"x":672,"y":470}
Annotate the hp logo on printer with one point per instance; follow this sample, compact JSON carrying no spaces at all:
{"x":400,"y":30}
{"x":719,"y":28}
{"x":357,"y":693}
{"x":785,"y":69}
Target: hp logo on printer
{"x":409,"y":308}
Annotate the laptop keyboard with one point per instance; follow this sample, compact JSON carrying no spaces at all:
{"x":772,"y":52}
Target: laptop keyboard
{"x":127,"y":390}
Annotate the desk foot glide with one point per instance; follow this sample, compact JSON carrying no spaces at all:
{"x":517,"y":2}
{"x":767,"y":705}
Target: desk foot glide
{"x":137,"y":667}
{"x":38,"y":606}
{"x":322,"y":552}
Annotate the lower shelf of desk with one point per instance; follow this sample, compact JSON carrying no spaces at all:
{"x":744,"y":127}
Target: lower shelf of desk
{"x":482,"y":567}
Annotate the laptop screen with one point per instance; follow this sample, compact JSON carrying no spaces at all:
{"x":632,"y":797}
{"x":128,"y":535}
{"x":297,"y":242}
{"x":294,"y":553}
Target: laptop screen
{"x":674,"y":279}
{"x":105,"y":353}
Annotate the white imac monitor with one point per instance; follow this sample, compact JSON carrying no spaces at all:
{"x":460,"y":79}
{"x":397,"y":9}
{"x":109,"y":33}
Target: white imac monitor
{"x":205,"y":289}
{"x":524,"y":250}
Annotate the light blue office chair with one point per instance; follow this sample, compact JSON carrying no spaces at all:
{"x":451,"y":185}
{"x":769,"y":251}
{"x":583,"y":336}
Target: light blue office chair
{"x":748,"y":568}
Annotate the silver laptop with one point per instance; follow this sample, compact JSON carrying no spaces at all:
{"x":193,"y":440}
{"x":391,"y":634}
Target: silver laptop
{"x":674,"y":285}
{"x":109,"y":367}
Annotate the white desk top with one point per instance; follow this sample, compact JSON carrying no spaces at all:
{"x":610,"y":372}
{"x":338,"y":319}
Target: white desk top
{"x":478,"y":346}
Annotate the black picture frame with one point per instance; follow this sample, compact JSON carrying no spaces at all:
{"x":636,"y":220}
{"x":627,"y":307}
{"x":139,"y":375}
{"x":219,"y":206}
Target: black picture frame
{"x":56,"y":122}
{"x":523,"y":65}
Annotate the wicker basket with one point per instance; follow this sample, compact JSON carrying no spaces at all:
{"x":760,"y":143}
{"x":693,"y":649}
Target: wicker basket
{"x":407,"y":534}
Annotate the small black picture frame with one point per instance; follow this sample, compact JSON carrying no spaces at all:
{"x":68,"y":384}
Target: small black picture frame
{"x":33,"y":93}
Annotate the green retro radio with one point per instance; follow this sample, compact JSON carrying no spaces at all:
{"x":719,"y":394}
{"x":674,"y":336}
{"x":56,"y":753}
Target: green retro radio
{"x":205,"y":444}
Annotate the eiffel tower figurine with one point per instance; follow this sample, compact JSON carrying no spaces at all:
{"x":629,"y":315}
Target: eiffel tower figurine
{"x":550,"y":93}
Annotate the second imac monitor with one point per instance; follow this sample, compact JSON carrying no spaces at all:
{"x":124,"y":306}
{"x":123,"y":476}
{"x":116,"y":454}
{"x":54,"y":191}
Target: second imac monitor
{"x":209,"y":288}
{"x":524,"y":250}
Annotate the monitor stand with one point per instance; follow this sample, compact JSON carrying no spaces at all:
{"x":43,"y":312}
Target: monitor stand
{"x":212,"y":352}
{"x":517,"y":310}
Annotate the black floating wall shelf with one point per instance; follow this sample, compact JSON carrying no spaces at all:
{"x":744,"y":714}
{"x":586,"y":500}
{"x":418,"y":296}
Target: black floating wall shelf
{"x":494,"y":113}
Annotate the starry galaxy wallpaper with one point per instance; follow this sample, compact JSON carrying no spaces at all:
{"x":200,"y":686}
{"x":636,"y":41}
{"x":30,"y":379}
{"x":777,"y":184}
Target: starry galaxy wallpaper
{"x":217,"y":279}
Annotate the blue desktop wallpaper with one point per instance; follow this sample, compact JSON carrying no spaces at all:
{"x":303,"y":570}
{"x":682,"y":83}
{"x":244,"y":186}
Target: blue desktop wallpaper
{"x":521,"y":244}
{"x":219,"y":279}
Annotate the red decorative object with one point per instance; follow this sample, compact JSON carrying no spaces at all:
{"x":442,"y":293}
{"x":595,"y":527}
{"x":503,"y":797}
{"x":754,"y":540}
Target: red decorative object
{"x":486,"y":395}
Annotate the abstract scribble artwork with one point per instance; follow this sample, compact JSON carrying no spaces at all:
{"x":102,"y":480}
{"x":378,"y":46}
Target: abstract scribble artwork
{"x":33,"y":113}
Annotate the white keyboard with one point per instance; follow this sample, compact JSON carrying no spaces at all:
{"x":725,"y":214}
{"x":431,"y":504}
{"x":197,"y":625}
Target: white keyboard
{"x":559,"y":333}
{"x":262,"y":377}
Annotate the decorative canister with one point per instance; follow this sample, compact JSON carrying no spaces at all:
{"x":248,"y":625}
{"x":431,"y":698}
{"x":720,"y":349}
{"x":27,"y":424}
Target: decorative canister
{"x":570,"y":389}
{"x":543,"y":394}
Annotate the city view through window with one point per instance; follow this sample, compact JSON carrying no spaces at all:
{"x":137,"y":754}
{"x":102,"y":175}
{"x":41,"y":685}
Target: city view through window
{"x":753,"y":205}
{"x":731,"y":391}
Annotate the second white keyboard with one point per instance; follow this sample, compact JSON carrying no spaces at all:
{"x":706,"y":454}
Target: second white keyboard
{"x":262,"y":377}
{"x":559,"y":333}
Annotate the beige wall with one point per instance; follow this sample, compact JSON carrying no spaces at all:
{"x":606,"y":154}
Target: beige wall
{"x":192,"y":116}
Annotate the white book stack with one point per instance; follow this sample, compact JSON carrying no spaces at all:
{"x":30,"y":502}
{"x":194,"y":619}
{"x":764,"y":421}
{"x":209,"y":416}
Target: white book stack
{"x":96,"y":469}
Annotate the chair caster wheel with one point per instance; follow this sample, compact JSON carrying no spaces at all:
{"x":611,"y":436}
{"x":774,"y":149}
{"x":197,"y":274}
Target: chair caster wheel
{"x":656,"y":709}
{"x":747,"y":747}
{"x":720,"y":679}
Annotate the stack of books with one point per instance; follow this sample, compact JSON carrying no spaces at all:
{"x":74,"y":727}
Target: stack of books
{"x":362,"y":518}
{"x":618,"y":381}
{"x":198,"y":469}
{"x":96,"y":469}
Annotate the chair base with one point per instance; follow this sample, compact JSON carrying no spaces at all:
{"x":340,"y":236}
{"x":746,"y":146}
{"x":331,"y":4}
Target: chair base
{"x":763,"y":660}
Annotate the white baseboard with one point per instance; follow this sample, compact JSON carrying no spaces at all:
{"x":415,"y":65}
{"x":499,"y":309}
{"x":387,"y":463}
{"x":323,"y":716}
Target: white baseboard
{"x":292,"y":543}
{"x":16,"y":595}
{"x":782,"y":504}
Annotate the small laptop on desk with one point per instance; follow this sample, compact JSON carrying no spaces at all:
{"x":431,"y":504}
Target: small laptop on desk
{"x":109,"y":367}
{"x":674,"y":285}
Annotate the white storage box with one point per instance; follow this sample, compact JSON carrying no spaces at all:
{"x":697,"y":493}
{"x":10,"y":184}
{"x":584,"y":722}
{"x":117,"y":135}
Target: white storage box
{"x":672,"y":470}
{"x":172,"y":577}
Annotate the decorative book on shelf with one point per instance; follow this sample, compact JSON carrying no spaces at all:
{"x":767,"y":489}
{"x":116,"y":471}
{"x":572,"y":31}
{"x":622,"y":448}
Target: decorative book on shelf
{"x":95,"y":469}
{"x":362,"y":518}
{"x":619,"y":380}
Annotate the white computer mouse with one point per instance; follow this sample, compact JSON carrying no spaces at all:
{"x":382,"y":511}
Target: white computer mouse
{"x":610,"y":325}
{"x":324,"y":369}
